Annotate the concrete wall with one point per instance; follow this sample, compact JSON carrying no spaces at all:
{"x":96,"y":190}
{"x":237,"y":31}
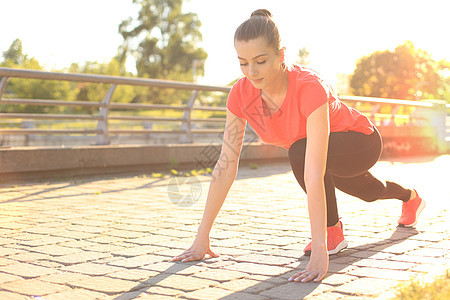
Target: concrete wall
{"x":31,"y":163}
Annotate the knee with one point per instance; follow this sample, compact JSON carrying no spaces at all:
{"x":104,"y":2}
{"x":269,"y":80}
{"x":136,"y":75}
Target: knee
{"x":368,"y":198}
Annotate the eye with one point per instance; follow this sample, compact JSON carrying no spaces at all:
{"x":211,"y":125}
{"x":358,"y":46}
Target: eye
{"x":261,"y":62}
{"x":243,"y":64}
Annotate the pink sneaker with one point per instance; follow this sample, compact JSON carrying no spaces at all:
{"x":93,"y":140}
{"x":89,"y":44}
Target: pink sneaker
{"x":411,"y":210}
{"x":335,"y":240}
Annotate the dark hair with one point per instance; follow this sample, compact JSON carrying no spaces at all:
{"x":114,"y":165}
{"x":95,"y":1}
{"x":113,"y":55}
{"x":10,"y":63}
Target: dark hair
{"x":259,"y":24}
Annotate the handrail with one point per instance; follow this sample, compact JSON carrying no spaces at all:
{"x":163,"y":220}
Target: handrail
{"x":371,"y":106}
{"x":34,"y":74}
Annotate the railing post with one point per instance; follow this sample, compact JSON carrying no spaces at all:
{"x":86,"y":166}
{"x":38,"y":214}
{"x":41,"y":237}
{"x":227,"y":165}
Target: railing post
{"x":438,"y":118}
{"x":375,"y":109}
{"x":186,"y":123}
{"x":102,"y":125}
{"x":394,"y":112}
{"x":3,"y":86}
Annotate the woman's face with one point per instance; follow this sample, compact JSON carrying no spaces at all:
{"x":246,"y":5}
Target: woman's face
{"x":260,"y":63}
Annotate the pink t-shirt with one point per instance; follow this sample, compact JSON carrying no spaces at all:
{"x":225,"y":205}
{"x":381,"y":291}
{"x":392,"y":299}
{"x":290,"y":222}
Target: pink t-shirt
{"x":306,"y":92}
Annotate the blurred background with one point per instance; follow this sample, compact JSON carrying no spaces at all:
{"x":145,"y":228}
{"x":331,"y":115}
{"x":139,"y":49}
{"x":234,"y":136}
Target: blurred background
{"x":389,"y":49}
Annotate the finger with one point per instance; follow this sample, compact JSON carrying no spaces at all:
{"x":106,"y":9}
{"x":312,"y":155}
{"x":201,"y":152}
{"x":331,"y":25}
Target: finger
{"x":191,"y":258}
{"x":296,"y":275}
{"x":309,"y":277}
{"x":182,"y":255}
{"x":319,"y":277}
{"x":299,"y":276}
{"x":210,"y":252}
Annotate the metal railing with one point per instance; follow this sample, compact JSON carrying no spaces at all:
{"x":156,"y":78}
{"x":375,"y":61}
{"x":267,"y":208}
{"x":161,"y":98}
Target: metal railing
{"x":382,"y":112}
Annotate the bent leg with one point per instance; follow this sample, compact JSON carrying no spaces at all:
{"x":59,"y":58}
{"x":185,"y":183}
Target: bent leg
{"x":297,"y":160}
{"x":369,"y":188}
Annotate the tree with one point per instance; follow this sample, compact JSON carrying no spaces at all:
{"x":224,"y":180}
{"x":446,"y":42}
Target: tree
{"x":406,"y":73}
{"x":163,"y":40}
{"x":31,"y":88}
{"x":303,"y":57}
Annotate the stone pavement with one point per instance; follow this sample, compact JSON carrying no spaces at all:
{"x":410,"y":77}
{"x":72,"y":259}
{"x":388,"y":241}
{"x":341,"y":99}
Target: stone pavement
{"x":113,"y":238}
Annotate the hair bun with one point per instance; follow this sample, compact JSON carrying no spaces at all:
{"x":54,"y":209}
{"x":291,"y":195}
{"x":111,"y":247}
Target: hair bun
{"x":262,"y":12}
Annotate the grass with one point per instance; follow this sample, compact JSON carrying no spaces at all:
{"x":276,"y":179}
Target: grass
{"x":416,"y":290}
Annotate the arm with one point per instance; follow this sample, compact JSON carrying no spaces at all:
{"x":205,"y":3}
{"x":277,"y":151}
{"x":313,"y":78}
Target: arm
{"x":317,"y":130}
{"x":224,"y":172}
{"x":223,"y":177}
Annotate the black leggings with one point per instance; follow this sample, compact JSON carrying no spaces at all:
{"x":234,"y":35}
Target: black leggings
{"x":350,"y":156}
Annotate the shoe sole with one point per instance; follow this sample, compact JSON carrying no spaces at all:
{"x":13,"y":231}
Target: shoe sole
{"x":342,"y":245}
{"x":418,"y":212}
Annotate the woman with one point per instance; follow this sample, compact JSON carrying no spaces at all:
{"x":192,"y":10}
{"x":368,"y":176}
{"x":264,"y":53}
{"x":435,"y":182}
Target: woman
{"x":330,"y":145}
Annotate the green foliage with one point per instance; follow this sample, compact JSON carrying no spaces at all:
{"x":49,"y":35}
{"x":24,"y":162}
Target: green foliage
{"x":303,"y":57}
{"x":163,"y":40}
{"x":415,"y":290}
{"x":31,"y":88}
{"x":96,"y":92}
{"x":406,"y":73}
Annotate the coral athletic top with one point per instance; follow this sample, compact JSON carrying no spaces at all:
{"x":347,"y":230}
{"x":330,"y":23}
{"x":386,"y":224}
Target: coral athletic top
{"x":306,"y":92}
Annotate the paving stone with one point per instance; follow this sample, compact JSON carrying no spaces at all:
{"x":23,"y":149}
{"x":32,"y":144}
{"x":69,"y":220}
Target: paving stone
{"x":29,"y":257}
{"x":88,"y":229}
{"x":246,"y":285}
{"x":126,"y":234}
{"x":429,"y":252}
{"x":107,"y":285}
{"x":64,"y":277}
{"x":137,"y":261}
{"x":40,"y":230}
{"x":34,"y":287}
{"x":76,"y":294}
{"x":265,"y":259}
{"x":5,"y":251}
{"x":380,"y":273}
{"x":337,"y":279}
{"x":384,"y":264}
{"x":26,"y":270}
{"x":47,"y":264}
{"x":92,"y":269}
{"x":136,"y":250}
{"x":296,"y":290}
{"x":73,"y":234}
{"x":209,"y":293}
{"x":105,"y":239}
{"x":185,"y":283}
{"x":402,"y":247}
{"x":259,"y":269}
{"x":175,"y":267}
{"x":12,"y":296}
{"x":133,"y":274}
{"x":220,"y":275}
{"x":8,"y":277}
{"x":260,"y":238}
{"x":50,"y":240}
{"x":79,"y":257}
{"x":244,"y":296}
{"x":367,"y":286}
{"x":55,"y":250}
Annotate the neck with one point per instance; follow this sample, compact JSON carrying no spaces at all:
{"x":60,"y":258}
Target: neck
{"x":279,"y":86}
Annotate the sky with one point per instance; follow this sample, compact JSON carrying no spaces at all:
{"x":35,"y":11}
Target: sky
{"x":336,"y":33}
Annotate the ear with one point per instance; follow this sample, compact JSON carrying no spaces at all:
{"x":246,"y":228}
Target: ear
{"x":281,"y":52}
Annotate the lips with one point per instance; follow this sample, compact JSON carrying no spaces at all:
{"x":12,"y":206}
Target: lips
{"x":257,"y":80}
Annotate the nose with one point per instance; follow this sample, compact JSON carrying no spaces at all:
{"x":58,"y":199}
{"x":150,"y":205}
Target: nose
{"x":253,"y":70}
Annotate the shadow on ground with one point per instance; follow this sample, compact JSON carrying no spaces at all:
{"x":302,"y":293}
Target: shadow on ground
{"x":279,"y":286}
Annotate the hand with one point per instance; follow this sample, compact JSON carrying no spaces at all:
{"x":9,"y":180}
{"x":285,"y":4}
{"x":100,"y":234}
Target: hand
{"x":200,"y":247}
{"x":316,"y":269}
